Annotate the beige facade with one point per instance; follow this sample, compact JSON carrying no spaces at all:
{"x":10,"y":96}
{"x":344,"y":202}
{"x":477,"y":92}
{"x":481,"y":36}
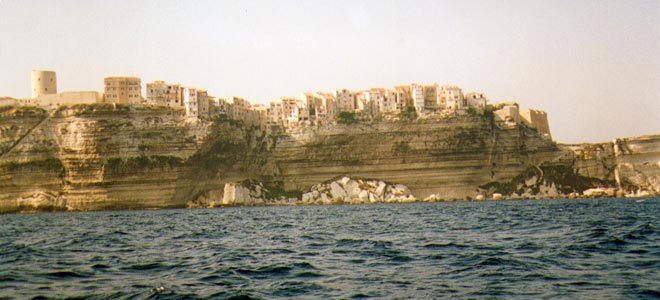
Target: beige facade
{"x":345,"y":101}
{"x":316,"y":105}
{"x":330,"y":105}
{"x":238,"y":108}
{"x":374,"y":99}
{"x":476,"y":101}
{"x":220,"y":106}
{"x":43,"y":83}
{"x":64,"y":98}
{"x":290,"y":111}
{"x":404,"y":96}
{"x":391,"y":102}
{"x":257,"y":115}
{"x":382,"y":100}
{"x":361,"y":101}
{"x":275,"y":113}
{"x":203,"y":103}
{"x":451,"y":97}
{"x":537,"y":119}
{"x":166,"y":94}
{"x":431,"y":96}
{"x":127,"y":90}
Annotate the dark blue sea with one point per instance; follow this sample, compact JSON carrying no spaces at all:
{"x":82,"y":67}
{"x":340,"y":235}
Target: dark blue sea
{"x":549,"y":249}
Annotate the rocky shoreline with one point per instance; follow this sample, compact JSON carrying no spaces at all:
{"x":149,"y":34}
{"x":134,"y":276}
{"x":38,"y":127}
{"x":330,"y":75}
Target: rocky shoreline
{"x":348,"y":190}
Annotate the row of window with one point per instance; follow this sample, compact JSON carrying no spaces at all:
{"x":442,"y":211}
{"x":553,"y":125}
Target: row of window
{"x":121,"y":89}
{"x":117,"y":96}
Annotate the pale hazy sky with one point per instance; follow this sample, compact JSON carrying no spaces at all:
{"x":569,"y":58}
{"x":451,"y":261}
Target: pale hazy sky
{"x":594,"y":66}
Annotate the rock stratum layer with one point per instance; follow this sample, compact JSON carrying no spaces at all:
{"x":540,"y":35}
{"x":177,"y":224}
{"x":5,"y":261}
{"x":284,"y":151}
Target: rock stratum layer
{"x":95,"y":157}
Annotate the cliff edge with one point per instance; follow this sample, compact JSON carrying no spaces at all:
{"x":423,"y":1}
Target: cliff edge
{"x":105,"y":156}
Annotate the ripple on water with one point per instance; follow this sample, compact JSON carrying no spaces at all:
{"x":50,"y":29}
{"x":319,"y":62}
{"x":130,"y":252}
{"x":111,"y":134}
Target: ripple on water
{"x":520,"y":249}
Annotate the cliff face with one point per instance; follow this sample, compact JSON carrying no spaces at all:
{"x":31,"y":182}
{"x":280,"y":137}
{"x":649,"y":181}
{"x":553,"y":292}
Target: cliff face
{"x":450,"y":157}
{"x":633,"y":164}
{"x":93,"y":157}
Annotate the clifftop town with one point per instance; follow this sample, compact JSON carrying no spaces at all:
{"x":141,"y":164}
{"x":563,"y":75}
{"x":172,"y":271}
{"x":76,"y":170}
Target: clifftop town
{"x":181,"y":147}
{"x":311,"y":108}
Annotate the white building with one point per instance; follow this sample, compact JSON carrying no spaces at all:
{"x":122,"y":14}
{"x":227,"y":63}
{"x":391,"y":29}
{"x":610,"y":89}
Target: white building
{"x":190,"y":102}
{"x":417,"y":94}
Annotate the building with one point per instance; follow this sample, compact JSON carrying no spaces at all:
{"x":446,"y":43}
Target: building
{"x":126,"y":90}
{"x":274,"y":113}
{"x":417,"y":94}
{"x":430,"y":96}
{"x":220,"y":106}
{"x":257,"y":115}
{"x":44,"y":92}
{"x":476,"y":100}
{"x":43,"y":83}
{"x":345,"y":101}
{"x":190,"y":101}
{"x":361,"y":101}
{"x":203,"y":104}
{"x":403,"y":96}
{"x":303,"y":111}
{"x":390,"y":102}
{"x":237,"y":108}
{"x":290,"y":111}
{"x":537,"y":119}
{"x":330,"y":105}
{"x":374,"y":100}
{"x":261,"y":115}
{"x":166,"y":94}
{"x":66,"y":98}
{"x":451,"y":97}
{"x":316,"y":105}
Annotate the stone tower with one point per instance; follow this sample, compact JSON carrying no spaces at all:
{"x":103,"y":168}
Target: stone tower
{"x":43,"y":83}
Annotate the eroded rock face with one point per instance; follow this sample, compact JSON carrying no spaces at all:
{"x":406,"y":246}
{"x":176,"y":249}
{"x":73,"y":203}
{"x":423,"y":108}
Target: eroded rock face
{"x":92,"y":157}
{"x":447,"y":157}
{"x":631,"y":164}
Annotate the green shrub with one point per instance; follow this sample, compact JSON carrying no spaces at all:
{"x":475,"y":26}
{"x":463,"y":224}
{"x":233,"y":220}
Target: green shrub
{"x":410,"y":113}
{"x":346,"y":117}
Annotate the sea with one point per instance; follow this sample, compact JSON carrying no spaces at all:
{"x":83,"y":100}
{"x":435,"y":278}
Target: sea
{"x":527,"y":249}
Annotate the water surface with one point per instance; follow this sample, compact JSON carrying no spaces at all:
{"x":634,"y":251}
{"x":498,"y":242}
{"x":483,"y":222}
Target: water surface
{"x":588,"y":249}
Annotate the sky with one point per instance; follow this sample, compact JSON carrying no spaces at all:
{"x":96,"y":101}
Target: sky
{"x":593,"y":66}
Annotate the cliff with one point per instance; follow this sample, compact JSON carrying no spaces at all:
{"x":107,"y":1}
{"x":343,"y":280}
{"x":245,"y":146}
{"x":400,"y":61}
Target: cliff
{"x":631,"y":164}
{"x":93,"y":157}
{"x":102,"y":156}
